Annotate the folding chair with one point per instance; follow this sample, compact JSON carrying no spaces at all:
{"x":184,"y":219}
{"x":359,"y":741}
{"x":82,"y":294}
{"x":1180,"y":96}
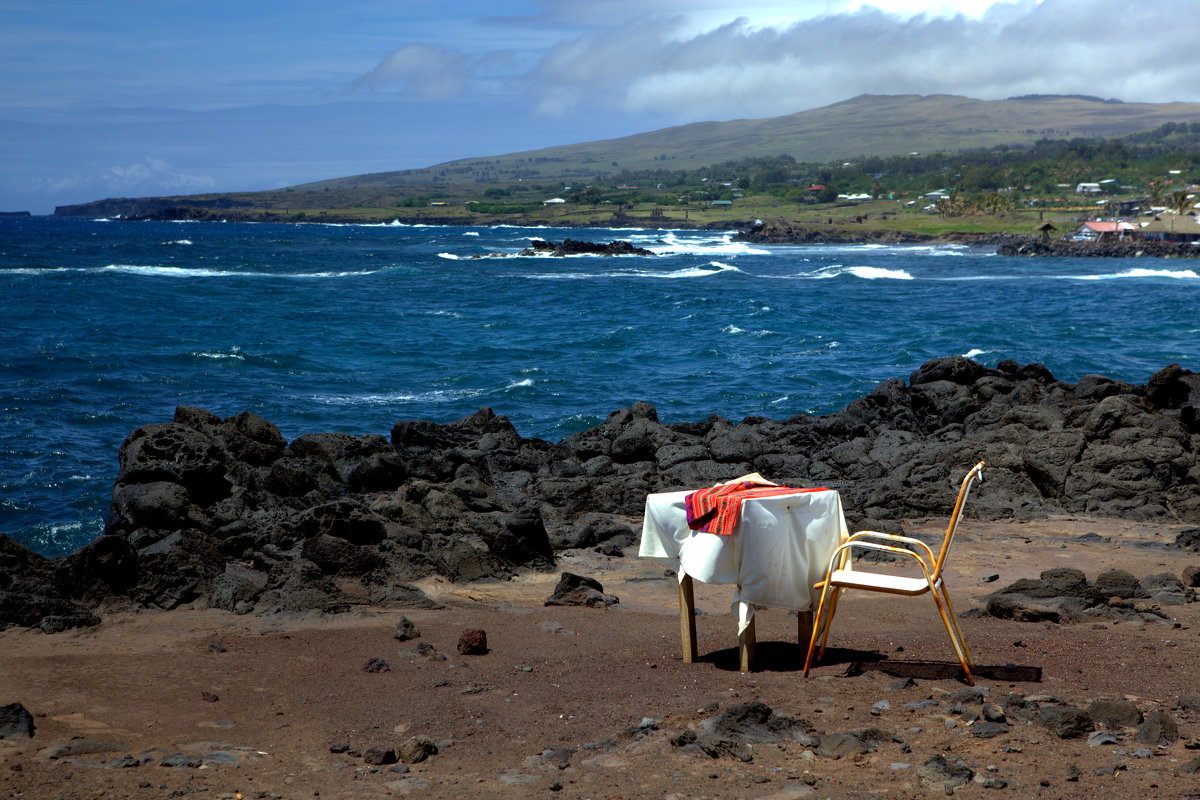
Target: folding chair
{"x":841,"y":575}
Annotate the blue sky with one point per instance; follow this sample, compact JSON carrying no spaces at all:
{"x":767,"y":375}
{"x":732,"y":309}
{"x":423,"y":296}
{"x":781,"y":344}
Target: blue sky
{"x":131,"y":98}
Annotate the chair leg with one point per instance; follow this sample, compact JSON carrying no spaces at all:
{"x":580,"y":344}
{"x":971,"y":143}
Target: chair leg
{"x":833,"y":601}
{"x":957,"y":629}
{"x":953,"y":639}
{"x":817,"y":623}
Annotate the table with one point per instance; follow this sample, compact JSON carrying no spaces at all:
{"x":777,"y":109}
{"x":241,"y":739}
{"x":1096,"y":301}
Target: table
{"x":780,"y":548}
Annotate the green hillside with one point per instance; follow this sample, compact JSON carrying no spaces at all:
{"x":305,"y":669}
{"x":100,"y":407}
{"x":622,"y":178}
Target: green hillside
{"x":1018,"y":154}
{"x":877,"y":125}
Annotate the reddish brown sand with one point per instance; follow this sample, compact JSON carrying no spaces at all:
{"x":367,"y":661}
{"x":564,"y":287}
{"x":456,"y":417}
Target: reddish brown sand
{"x":287,"y":688}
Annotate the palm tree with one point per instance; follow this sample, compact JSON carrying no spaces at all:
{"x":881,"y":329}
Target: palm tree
{"x":1181,"y":201}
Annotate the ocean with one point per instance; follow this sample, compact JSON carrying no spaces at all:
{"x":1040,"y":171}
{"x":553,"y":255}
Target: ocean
{"x":109,"y":324}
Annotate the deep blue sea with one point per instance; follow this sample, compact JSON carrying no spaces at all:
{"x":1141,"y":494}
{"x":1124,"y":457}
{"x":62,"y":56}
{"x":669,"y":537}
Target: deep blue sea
{"x":108,"y":325}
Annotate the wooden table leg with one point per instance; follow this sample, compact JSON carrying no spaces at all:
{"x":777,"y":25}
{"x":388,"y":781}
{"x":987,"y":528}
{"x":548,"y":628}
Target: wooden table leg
{"x":687,"y":619}
{"x":746,"y":647}
{"x":804,"y":630}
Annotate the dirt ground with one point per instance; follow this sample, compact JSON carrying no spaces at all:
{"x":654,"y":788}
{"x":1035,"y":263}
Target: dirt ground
{"x":584,"y":702}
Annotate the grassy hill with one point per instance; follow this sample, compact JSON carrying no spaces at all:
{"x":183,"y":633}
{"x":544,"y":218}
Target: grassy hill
{"x":1031,"y":143}
{"x":877,"y":125}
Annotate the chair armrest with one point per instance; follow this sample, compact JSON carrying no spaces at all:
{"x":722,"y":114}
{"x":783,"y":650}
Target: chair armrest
{"x":892,"y":537}
{"x":845,"y":549}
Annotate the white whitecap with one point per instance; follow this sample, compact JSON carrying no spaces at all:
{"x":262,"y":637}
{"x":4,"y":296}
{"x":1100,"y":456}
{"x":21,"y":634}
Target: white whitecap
{"x":732,"y":329}
{"x":867,"y":273}
{"x":875,"y":273}
{"x":973,"y":352}
{"x":470,"y":233}
{"x":672,"y":244}
{"x":1140,"y":272}
{"x":234,"y":354}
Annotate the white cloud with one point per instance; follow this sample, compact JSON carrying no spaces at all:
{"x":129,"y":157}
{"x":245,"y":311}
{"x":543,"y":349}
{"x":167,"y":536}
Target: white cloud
{"x":428,"y":70}
{"x":740,"y":68}
{"x":153,"y":173}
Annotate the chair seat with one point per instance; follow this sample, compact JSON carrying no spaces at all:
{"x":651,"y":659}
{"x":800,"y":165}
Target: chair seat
{"x":875,"y":581}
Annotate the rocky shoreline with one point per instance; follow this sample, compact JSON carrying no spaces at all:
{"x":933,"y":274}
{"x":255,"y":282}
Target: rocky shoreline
{"x":759,"y":232}
{"x":224,"y":513}
{"x":1006,"y":243}
{"x":1061,"y":248}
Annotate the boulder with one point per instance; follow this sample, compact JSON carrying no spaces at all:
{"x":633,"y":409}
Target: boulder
{"x":15,"y":722}
{"x":577,"y":590}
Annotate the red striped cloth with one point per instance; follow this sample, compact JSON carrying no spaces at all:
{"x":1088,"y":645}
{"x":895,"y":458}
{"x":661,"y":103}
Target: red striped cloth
{"x":716,"y":510}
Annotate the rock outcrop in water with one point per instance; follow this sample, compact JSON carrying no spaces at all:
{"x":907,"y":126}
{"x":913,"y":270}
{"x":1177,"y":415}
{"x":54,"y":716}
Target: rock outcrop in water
{"x":574,"y":247}
{"x":226,"y":513}
{"x":1063,"y":248}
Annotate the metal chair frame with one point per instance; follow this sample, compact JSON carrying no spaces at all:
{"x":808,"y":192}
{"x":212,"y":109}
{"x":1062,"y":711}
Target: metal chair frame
{"x":840,"y":575}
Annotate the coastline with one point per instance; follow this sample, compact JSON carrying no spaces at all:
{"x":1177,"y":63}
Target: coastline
{"x":225,"y":513}
{"x":1007,"y":243}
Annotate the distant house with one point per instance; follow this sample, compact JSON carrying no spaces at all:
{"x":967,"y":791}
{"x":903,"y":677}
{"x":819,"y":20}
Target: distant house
{"x":940,"y":194}
{"x":721,"y":203}
{"x":1087,"y":188}
{"x":553,"y":201}
{"x":1099,"y":231}
{"x":1171,"y":228}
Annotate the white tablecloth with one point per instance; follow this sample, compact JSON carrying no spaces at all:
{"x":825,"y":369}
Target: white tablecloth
{"x":779,"y":549}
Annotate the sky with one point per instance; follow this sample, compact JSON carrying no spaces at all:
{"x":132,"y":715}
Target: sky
{"x":132,"y":98}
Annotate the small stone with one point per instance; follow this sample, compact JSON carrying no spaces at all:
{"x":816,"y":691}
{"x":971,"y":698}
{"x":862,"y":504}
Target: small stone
{"x":938,"y":773}
{"x":217,"y":647}
{"x":991,"y":578}
{"x":427,"y":652}
{"x":1158,"y":729}
{"x":209,"y":697}
{"x":473,"y":642}
{"x":1067,"y":722}
{"x":339,"y":747}
{"x":987,"y":730}
{"x":376,"y":664}
{"x":379,"y":755}
{"x":1115,"y":713}
{"x":405,"y":630}
{"x":1100,"y":738}
{"x":1191,"y":576}
{"x":416,"y":749}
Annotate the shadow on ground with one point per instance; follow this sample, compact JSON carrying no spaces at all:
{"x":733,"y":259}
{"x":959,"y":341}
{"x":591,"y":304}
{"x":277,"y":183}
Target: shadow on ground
{"x":779,"y":656}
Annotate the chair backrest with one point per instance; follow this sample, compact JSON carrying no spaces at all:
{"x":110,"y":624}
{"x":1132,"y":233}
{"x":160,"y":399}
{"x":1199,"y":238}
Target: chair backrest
{"x":975,"y":474}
